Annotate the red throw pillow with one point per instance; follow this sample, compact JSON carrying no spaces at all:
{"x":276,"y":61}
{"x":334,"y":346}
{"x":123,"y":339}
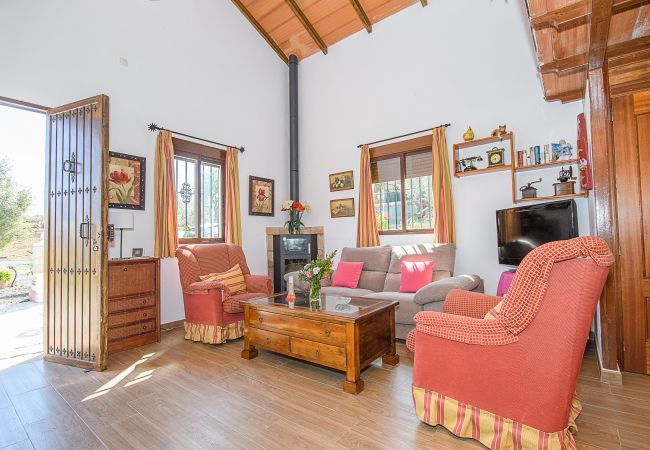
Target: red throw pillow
{"x":347,"y":274}
{"x":416,"y":274}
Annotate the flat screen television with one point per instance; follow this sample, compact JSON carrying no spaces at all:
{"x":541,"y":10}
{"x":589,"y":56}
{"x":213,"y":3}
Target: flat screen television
{"x":519,"y":230}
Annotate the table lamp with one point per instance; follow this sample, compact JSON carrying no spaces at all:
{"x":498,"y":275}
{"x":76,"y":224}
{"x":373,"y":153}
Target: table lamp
{"x":122,"y":220}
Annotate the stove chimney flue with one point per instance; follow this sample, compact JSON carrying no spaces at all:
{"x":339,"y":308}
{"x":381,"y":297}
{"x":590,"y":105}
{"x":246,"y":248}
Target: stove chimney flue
{"x":294,"y":173}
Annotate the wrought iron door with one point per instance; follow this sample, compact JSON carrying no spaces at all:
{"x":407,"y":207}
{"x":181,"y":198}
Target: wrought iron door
{"x":75,"y":248}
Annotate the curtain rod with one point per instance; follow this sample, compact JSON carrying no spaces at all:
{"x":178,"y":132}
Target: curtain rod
{"x":404,"y":135}
{"x":154,"y":127}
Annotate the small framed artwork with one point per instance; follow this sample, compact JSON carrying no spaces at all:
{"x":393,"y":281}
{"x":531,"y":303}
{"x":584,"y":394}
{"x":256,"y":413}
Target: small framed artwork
{"x":261,"y":196}
{"x":342,"y":207}
{"x":341,"y":181}
{"x":137,"y":252}
{"x":126,"y":181}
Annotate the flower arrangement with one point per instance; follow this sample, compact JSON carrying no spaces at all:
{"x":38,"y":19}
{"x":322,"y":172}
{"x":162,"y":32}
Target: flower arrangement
{"x":5,"y":278}
{"x":296,"y":210}
{"x":314,"y":272}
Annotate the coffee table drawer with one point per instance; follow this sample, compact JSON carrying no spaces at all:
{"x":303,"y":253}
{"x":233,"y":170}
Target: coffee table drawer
{"x":323,"y":331}
{"x":317,"y":352}
{"x":269,"y":340}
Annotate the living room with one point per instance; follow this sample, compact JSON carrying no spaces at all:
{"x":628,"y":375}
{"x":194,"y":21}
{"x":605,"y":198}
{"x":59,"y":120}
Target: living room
{"x":297,"y":89}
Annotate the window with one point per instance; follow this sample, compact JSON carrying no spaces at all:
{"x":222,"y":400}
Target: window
{"x":200,"y":189}
{"x":401,"y":184}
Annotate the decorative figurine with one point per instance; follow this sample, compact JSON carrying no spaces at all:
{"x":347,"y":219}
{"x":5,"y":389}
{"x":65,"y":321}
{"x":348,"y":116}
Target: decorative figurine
{"x":495,"y":157}
{"x":467,"y":164}
{"x":468,"y":135}
{"x":497,"y":132}
{"x":566,"y":185}
{"x":562,"y":150}
{"x":529,"y":191}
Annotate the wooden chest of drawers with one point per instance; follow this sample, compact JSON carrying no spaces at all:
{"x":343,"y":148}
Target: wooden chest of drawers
{"x":133,"y":303}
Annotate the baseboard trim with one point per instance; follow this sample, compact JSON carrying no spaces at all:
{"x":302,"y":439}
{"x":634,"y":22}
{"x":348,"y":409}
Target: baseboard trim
{"x":172,"y":325}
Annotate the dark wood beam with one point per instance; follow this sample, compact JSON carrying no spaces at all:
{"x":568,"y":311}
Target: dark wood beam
{"x":362,"y":15}
{"x":307,"y":24}
{"x":601,"y":15}
{"x":606,"y":226}
{"x":577,"y":13}
{"x":424,"y":2}
{"x":261,"y":30}
{"x":568,"y":96}
{"x":614,"y":52}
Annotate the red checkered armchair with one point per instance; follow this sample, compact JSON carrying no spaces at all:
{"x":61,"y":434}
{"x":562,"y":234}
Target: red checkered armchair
{"x":212,"y":315}
{"x":509,"y":381}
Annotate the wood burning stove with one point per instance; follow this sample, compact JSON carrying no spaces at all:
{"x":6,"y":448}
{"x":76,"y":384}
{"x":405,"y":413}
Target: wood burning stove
{"x":290,"y":253}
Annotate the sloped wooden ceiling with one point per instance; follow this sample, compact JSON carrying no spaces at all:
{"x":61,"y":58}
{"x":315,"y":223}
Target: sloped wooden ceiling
{"x":304,"y":27}
{"x":574,"y":36}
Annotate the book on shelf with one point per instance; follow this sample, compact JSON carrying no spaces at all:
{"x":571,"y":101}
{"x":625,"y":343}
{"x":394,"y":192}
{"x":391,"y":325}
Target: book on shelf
{"x":537,"y":155}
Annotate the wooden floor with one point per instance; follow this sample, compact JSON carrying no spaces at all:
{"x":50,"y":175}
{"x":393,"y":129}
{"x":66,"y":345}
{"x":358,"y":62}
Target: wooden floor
{"x":178,"y":394}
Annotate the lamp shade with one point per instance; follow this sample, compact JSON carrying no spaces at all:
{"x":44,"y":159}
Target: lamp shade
{"x":121,"y":219}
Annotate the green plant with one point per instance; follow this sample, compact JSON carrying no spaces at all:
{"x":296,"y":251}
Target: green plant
{"x":6,"y":275}
{"x":14,"y":201}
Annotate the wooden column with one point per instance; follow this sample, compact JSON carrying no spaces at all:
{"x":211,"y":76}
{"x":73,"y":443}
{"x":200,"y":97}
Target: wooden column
{"x":602,"y":150}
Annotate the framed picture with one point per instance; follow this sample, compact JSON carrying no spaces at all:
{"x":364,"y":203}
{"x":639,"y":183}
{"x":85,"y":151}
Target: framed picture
{"x":126,"y":181}
{"x":137,"y":252}
{"x":341,"y":181}
{"x":342,"y":207}
{"x":261,"y":196}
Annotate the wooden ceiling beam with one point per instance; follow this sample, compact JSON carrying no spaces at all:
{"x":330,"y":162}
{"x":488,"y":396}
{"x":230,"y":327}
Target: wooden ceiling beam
{"x":362,"y":15}
{"x":577,"y":13}
{"x":601,"y":15}
{"x":565,"y":66}
{"x":240,"y":6}
{"x":424,"y":2}
{"x":307,"y":24}
{"x":568,"y":96}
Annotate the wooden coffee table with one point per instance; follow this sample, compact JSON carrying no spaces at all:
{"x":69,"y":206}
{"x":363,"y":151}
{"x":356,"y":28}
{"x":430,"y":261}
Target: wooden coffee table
{"x":347,"y":333}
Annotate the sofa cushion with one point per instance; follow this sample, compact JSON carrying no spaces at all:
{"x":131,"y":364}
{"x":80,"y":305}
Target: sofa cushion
{"x":415,"y":274}
{"x":375,"y":265}
{"x":347,"y":274}
{"x":407,"y":307}
{"x":345,"y":292}
{"x":436,"y":292}
{"x":232,"y":278}
{"x":443,"y":255}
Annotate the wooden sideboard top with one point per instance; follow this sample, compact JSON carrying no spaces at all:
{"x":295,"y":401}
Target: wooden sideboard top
{"x":143,"y":259}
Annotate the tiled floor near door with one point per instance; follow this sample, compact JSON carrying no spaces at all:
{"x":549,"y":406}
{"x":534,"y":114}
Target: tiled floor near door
{"x":178,"y":394}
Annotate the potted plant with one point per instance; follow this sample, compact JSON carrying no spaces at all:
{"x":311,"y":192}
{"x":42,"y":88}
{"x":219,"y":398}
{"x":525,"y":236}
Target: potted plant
{"x":296,"y":210}
{"x":5,"y":277}
{"x":313,"y":273}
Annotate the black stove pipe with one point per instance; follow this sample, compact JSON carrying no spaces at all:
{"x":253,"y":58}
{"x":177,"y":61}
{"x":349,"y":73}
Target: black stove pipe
{"x":294,"y":178}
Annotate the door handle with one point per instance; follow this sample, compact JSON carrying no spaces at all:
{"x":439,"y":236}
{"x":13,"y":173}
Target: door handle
{"x":84,"y":230}
{"x":70,"y":166}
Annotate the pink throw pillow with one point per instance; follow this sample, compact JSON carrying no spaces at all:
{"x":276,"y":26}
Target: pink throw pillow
{"x":347,"y":274}
{"x":416,"y":274}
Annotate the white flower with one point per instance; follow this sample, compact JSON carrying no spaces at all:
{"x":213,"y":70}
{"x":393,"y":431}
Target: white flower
{"x":316,"y":270}
{"x":287,"y":204}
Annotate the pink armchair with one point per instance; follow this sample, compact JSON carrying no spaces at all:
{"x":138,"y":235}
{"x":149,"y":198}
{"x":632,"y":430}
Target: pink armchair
{"x":212,"y":315}
{"x":509,"y":382}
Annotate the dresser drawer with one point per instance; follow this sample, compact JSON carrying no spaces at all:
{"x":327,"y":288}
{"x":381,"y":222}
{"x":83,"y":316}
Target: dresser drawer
{"x":116,"y":334}
{"x":317,"y":352}
{"x":129,"y":279}
{"x":269,"y":340}
{"x":129,"y":317}
{"x":321,"y":331}
{"x":125,"y":304}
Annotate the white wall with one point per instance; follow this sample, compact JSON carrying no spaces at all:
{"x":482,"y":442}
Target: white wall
{"x":195,"y":66}
{"x":464,"y":62}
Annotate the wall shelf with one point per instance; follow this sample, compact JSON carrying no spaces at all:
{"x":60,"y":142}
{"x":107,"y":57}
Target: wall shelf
{"x":480,"y":171}
{"x":551,"y":197}
{"x":567,"y":162}
{"x":483,"y":141}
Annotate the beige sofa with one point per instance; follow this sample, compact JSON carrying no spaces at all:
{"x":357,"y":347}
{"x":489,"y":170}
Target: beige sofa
{"x":381,"y":278}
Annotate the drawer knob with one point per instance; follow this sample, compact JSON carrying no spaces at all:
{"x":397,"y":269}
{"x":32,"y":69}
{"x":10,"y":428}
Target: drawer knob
{"x":268,"y":340}
{"x":144,"y":302}
{"x":144,"y":327}
{"x":144,"y":314}
{"x":328,"y":332}
{"x":260,"y":319}
{"x":317,"y":353}
{"x":125,"y":269}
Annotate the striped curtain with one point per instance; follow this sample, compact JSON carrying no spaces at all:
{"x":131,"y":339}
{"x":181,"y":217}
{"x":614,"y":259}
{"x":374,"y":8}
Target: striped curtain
{"x":233,"y":215}
{"x":444,"y":230}
{"x":367,"y":234}
{"x":166,"y":230}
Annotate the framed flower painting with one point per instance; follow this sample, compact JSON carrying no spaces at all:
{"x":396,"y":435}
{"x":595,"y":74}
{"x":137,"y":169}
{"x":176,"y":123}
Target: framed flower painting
{"x":126,"y":181}
{"x":261,"y":194}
